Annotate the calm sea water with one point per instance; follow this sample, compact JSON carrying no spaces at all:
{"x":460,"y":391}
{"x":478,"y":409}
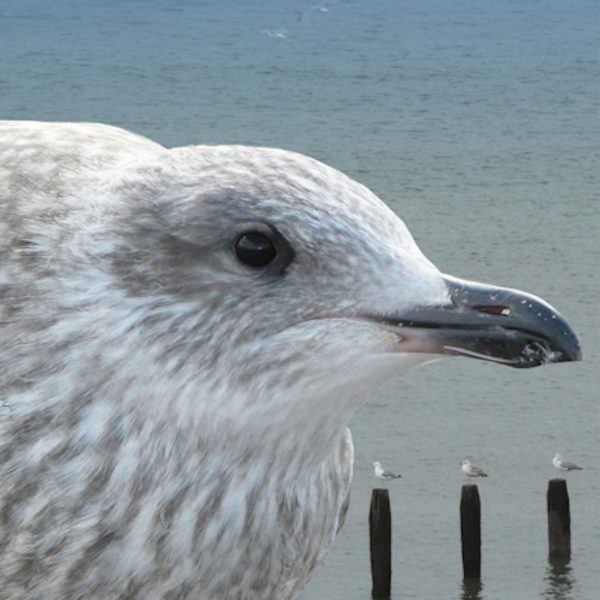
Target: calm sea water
{"x":479,"y":123}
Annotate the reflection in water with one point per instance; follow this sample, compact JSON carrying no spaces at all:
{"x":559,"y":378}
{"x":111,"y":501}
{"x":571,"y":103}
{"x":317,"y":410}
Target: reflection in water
{"x":471,"y":589}
{"x":559,"y":580}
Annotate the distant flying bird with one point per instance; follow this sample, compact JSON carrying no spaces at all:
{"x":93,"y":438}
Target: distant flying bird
{"x":471,"y":470}
{"x":185,"y":335}
{"x":277,"y":33}
{"x":564,"y":465}
{"x":322,"y":8}
{"x":382,"y":473}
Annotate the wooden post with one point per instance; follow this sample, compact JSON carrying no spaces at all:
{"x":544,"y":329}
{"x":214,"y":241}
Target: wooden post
{"x":470,"y":531}
{"x":380,"y":537}
{"x":559,"y":520}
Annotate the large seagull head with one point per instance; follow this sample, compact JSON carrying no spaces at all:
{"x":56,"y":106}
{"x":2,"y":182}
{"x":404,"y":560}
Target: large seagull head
{"x":291,"y":291}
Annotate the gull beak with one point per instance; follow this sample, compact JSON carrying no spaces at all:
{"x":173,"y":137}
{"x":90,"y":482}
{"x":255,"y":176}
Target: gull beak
{"x":491,"y":323}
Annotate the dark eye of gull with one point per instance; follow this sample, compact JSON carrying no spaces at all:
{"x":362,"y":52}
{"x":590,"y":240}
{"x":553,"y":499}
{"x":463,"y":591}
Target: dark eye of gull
{"x":255,"y":249}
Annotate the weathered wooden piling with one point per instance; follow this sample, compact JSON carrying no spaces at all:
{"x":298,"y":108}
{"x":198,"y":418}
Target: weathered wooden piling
{"x":470,"y":531}
{"x":559,"y":520}
{"x":380,"y":537}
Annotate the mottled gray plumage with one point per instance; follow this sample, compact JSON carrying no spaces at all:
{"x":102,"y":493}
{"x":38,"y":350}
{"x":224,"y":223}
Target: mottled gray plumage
{"x":173,"y":422}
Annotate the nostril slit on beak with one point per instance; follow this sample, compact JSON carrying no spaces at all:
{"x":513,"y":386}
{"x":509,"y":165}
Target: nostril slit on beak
{"x":493,"y":310}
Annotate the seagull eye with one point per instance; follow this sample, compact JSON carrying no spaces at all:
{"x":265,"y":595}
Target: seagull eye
{"x":255,"y":249}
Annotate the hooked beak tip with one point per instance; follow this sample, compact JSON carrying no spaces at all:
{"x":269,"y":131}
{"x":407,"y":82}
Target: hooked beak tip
{"x":500,"y":325}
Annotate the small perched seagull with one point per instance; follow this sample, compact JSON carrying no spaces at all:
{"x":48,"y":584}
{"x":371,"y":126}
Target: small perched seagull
{"x":185,"y":335}
{"x":564,"y":465}
{"x":382,"y":473}
{"x":471,"y":470}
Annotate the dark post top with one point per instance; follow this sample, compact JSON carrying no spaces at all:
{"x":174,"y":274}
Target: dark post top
{"x":380,"y":535}
{"x":559,"y":519}
{"x":470,"y":531}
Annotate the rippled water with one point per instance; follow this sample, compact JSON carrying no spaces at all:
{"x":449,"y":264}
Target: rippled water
{"x":478,"y":122}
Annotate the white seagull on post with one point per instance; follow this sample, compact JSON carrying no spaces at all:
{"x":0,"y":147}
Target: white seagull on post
{"x":185,"y":335}
{"x":564,"y":465}
{"x":470,"y":470}
{"x":382,"y":473}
